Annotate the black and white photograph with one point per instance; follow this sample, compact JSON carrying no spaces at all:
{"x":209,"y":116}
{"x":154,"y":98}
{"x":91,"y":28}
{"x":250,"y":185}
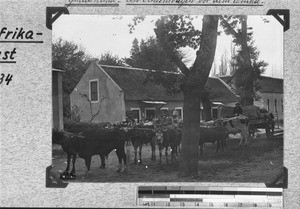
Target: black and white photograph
{"x":171,"y":98}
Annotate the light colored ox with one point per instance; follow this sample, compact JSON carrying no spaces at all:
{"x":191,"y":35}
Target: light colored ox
{"x":234,"y":125}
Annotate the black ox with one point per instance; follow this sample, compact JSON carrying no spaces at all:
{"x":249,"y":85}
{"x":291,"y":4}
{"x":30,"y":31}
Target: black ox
{"x":140,"y":136}
{"x":213,"y":134}
{"x":89,"y":143}
{"x":169,"y":136}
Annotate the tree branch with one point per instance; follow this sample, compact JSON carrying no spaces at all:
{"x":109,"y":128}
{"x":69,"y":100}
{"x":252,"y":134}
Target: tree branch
{"x":97,"y":113}
{"x":91,"y":107}
{"x":205,"y":55}
{"x":228,"y":26}
{"x":182,"y":67}
{"x":172,"y":55}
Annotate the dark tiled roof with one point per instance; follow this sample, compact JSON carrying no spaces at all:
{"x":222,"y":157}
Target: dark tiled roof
{"x":221,"y":90}
{"x":131,"y":80}
{"x":271,"y":85}
{"x":267,"y":84}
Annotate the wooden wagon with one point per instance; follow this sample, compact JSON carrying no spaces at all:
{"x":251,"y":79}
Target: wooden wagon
{"x":264,"y":122}
{"x":259,"y":119}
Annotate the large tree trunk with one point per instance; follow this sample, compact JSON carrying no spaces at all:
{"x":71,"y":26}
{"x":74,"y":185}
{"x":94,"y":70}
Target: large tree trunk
{"x":193,"y":90}
{"x":248,"y":91}
{"x":244,"y":39}
{"x":206,"y":107}
{"x":191,"y":123}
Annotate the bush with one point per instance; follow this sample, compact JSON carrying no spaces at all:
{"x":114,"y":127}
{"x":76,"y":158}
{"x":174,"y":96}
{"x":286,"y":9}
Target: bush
{"x":77,"y":127}
{"x":75,"y":113}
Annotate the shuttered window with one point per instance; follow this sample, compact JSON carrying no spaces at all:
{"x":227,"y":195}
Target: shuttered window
{"x":94,"y":91}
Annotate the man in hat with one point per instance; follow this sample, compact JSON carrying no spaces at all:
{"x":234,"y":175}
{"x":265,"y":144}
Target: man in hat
{"x":175,"y":117}
{"x":237,"y":110}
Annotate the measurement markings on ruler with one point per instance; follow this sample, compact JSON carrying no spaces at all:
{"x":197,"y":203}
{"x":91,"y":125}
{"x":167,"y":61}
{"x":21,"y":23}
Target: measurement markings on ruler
{"x":210,"y":197}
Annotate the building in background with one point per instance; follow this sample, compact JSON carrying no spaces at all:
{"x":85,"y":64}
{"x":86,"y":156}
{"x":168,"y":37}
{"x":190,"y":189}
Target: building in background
{"x":270,"y":94}
{"x":111,"y":93}
{"x":57,"y":99}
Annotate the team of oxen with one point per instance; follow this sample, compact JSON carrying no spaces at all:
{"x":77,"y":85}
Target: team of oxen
{"x":166,"y":137}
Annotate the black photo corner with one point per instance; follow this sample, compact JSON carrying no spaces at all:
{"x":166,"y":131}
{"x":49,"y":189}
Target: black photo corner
{"x":53,"y":13}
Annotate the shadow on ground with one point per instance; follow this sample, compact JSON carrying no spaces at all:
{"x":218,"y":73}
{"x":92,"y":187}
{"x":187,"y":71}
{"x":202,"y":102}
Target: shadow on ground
{"x":260,"y":161}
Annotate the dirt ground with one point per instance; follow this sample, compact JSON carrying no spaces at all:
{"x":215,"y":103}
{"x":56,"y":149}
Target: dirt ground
{"x":261,"y":161}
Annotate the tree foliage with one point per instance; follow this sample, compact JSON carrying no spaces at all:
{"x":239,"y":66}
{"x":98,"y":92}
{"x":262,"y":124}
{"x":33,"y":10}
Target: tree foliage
{"x":110,"y":59}
{"x":172,"y":34}
{"x":74,"y":61}
{"x":136,"y":20}
{"x":247,"y":66}
{"x":245,"y":78}
{"x":164,"y":53}
{"x":68,"y":57}
{"x":148,"y":54}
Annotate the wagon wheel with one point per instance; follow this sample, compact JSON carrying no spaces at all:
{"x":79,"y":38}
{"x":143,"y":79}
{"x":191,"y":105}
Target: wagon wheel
{"x":251,"y":131}
{"x":272,"y":126}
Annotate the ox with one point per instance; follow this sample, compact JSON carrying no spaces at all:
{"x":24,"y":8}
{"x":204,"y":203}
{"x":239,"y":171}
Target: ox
{"x":168,"y":137}
{"x":213,"y":134}
{"x":234,"y":125}
{"x":89,"y":143}
{"x":139,"y":137}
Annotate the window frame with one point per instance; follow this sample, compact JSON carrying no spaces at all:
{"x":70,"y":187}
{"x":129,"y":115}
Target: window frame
{"x":90,"y":90}
{"x":139,"y":109}
{"x":149,"y":108}
{"x":181,"y":110}
{"x":212,"y":112}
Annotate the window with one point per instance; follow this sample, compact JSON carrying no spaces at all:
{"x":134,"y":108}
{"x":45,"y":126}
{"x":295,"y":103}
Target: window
{"x":268,"y":105}
{"x":179,"y":110}
{"x":136,"y":114}
{"x":150,"y":113}
{"x":282,"y":105}
{"x":275,"y":105}
{"x":214,"y":113}
{"x":164,"y":110}
{"x":94,"y":93}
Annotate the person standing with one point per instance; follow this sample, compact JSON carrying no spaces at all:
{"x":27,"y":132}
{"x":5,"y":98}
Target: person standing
{"x":237,"y":110}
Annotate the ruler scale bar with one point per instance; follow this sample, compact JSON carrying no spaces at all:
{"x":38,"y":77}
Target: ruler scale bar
{"x":209,"y":197}
{"x":186,"y":200}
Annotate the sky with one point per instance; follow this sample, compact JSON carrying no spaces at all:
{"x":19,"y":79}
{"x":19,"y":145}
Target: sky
{"x":97,"y":34}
